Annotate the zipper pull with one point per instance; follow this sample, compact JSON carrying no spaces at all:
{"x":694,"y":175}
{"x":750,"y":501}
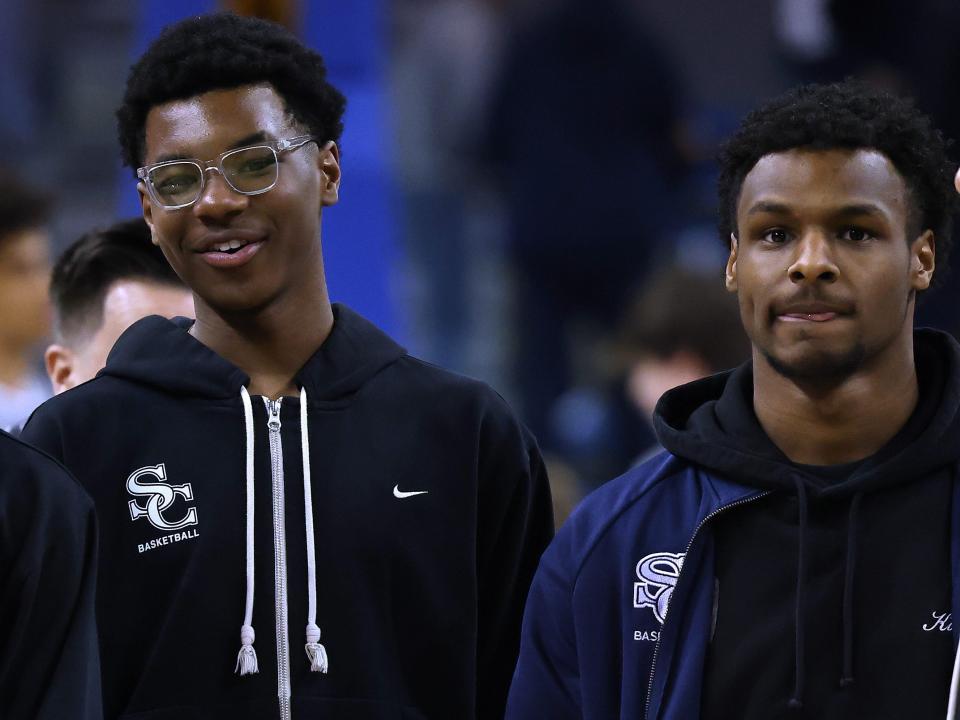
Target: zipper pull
{"x":273,"y":408}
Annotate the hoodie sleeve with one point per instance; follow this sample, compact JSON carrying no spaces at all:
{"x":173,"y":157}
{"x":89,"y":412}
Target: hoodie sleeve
{"x":546,"y":683}
{"x":49,"y":662}
{"x":515,"y":524}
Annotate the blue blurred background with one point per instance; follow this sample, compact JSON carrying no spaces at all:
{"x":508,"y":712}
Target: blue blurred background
{"x":516,"y":172}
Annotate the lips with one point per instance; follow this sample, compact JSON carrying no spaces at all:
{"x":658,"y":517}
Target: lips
{"x":229,"y":248}
{"x":808,"y":317}
{"x":816,"y":312}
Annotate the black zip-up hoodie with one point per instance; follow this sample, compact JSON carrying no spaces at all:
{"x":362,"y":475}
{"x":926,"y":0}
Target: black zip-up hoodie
{"x":49,"y":669}
{"x":430,"y":509}
{"x":833,"y":590}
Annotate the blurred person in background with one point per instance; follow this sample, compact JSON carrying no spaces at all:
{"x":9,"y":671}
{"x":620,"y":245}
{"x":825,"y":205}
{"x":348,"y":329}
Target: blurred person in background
{"x":446,"y":54}
{"x":681,"y":327}
{"x":102,"y":284}
{"x":793,"y":551}
{"x":581,"y":143}
{"x":24,"y":305}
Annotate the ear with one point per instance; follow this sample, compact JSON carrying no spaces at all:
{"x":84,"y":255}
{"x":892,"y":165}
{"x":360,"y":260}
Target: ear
{"x":731,"y":272}
{"x":329,"y":162}
{"x":147,"y":207}
{"x":956,"y":181}
{"x":60,"y":363}
{"x":923,"y":260}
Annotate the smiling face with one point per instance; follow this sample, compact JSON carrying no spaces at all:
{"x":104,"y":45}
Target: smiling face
{"x":824,"y":271}
{"x":274,"y":238}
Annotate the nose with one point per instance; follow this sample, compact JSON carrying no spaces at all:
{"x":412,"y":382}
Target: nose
{"x":813,"y":261}
{"x":219,"y":201}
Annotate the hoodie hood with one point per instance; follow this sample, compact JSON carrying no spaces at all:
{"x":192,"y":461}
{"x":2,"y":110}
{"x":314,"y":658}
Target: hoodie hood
{"x":711,"y":422}
{"x":161,"y":353}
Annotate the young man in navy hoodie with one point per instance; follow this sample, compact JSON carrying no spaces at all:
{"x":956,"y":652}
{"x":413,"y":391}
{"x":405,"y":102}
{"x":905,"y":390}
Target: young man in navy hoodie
{"x":299,"y":520}
{"x":794,"y":551}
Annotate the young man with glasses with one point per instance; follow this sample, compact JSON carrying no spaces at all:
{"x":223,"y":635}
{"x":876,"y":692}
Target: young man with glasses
{"x":280,"y":467}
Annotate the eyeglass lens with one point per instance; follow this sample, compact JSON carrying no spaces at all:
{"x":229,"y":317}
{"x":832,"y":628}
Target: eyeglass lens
{"x":249,"y":170}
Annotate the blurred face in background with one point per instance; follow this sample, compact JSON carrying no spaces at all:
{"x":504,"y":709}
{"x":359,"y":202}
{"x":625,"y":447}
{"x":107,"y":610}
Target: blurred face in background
{"x":24,"y":279}
{"x":80,"y":359}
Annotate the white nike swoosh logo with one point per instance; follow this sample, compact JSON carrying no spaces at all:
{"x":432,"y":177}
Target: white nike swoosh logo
{"x":398,"y":493}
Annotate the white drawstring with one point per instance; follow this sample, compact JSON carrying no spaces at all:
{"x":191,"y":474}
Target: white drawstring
{"x":316,"y":652}
{"x":247,"y":658}
{"x":954,"y":683}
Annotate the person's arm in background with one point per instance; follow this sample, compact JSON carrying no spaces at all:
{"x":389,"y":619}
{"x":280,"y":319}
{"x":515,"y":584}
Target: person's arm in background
{"x":515,"y":526}
{"x":49,"y":660}
{"x":547,"y":679}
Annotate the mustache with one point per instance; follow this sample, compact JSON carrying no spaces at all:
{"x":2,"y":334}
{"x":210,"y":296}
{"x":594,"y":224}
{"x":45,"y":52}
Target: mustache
{"x":809,"y":301}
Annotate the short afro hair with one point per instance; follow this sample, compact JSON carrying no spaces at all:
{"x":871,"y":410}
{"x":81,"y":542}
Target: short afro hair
{"x":221,"y":51}
{"x":848,"y":115}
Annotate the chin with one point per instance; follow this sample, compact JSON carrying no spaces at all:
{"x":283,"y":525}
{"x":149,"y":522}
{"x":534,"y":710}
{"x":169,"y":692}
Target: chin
{"x":238,"y":303}
{"x":818,"y":365}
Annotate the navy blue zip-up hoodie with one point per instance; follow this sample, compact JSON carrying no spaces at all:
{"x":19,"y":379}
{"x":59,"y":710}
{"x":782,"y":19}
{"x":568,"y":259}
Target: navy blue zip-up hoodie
{"x":49,"y":668}
{"x":598,"y":642}
{"x":430,"y":508}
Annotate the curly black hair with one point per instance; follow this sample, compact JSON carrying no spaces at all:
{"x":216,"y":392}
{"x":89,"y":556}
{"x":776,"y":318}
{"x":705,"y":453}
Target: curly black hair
{"x":223,"y":51}
{"x":850,"y":115}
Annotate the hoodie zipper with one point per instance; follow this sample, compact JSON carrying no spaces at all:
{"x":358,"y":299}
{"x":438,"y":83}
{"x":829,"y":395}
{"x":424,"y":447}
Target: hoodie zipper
{"x":280,"y":556}
{"x":656,"y":648}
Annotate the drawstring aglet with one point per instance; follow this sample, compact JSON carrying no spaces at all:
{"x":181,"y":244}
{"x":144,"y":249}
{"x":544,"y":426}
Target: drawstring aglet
{"x":316,"y":652}
{"x":247,"y":657}
{"x":846,"y":681}
{"x":794,"y":704}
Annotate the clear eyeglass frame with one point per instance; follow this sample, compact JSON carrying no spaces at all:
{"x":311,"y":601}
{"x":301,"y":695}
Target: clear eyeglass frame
{"x":216,"y":164}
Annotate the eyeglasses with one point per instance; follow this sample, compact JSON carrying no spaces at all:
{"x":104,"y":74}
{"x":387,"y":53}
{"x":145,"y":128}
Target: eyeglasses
{"x":249,"y":170}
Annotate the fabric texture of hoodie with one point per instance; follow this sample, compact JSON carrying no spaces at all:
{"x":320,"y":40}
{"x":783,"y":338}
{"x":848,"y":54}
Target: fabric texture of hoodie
{"x":808,"y":610}
{"x":754,"y":553}
{"x":426,"y":501}
{"x":49,"y":667}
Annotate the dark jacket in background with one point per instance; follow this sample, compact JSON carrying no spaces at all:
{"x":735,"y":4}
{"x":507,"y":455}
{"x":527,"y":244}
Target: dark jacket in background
{"x":49,"y":668}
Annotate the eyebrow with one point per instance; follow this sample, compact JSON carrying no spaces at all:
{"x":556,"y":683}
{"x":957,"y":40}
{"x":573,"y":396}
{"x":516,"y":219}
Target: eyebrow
{"x":765,"y":206}
{"x":865,"y":209}
{"x":847,"y":211}
{"x":251,"y":139}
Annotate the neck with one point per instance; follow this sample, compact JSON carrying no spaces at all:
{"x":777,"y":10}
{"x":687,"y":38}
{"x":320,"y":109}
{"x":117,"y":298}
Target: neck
{"x":270,"y":345}
{"x":840,"y":422}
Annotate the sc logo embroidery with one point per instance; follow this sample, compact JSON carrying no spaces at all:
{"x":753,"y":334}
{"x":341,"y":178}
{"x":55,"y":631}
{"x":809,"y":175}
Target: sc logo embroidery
{"x":160,"y":498}
{"x":657,"y":573}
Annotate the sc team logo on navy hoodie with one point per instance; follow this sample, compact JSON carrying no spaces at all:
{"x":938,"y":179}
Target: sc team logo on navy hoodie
{"x":150,"y":482}
{"x":657,"y":575}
